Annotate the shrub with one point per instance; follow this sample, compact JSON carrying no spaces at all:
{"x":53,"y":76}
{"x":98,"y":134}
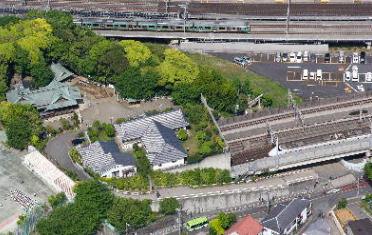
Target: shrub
{"x":75,"y":156}
{"x":182,"y":134}
{"x":342,"y":203}
{"x":65,"y":124}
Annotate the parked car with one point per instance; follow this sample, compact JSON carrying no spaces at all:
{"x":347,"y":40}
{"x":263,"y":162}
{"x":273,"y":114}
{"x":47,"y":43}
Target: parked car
{"x":237,"y":59}
{"x":299,"y":57}
{"x":306,"y":56}
{"x":305,"y":74}
{"x":319,"y":74}
{"x":312,"y":76}
{"x":347,"y":76}
{"x":278,"y":57}
{"x":327,"y":58}
{"x":247,"y":59}
{"x":285,"y":57}
{"x":341,"y":58}
{"x":313,"y":57}
{"x":292,"y":57}
{"x":369,"y":77}
{"x":355,"y":58}
{"x":362,"y":57}
{"x":355,"y":74}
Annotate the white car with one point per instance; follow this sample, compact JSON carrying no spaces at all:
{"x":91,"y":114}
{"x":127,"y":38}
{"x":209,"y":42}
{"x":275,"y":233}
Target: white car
{"x":306,"y":56}
{"x":319,"y":74}
{"x":369,"y":77}
{"x":355,"y":58}
{"x":332,"y":191}
{"x":347,"y":76}
{"x":292,"y":57}
{"x":299,"y":57}
{"x":305,"y":74}
{"x":355,"y":74}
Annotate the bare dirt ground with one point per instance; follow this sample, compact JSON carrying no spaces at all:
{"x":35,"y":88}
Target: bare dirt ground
{"x":90,"y":89}
{"x":109,"y":109}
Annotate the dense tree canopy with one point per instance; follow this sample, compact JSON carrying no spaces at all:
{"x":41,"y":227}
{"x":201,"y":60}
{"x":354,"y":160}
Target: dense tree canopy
{"x":21,"y":123}
{"x":83,"y":216}
{"x":169,"y":206}
{"x":136,"y":85}
{"x":130,"y":211}
{"x":136,"y":52}
{"x":177,"y":68}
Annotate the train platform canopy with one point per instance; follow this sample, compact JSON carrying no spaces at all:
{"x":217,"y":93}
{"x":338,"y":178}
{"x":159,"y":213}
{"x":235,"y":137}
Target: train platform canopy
{"x":61,"y":74}
{"x":54,"y":96}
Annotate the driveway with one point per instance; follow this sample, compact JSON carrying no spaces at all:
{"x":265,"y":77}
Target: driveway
{"x":57,"y":149}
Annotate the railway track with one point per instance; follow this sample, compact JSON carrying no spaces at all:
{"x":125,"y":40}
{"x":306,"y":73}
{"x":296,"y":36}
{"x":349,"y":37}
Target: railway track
{"x":196,"y":8}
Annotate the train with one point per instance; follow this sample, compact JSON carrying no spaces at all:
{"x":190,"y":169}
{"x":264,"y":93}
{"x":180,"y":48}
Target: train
{"x":174,"y":25}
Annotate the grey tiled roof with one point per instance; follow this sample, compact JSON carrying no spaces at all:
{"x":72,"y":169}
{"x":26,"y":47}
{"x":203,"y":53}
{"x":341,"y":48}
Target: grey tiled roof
{"x":157,"y":135}
{"x":283,"y":214}
{"x":361,"y":227}
{"x":319,"y":227}
{"x":102,"y":156}
{"x":60,"y":72}
{"x":162,"y":145}
{"x":54,"y":96}
{"x":135,"y":129}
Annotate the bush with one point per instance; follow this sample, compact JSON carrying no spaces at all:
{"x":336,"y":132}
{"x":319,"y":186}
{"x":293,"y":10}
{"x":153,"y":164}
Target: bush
{"x":57,"y":200}
{"x":65,"y":124}
{"x":75,"y":156}
{"x":182,"y":134}
{"x":342,"y":203}
{"x":168,"y":206}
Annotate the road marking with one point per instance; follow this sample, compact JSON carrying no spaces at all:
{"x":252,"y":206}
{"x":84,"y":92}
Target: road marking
{"x":294,"y":67}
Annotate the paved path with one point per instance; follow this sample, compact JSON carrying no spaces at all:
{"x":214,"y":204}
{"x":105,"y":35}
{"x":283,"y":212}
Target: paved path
{"x":57,"y":149}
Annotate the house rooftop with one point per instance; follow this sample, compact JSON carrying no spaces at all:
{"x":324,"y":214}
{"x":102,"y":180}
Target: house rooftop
{"x":136,"y":128}
{"x":60,"y":72}
{"x":283,"y":214}
{"x":54,"y":96}
{"x":246,"y":226}
{"x":361,"y":227}
{"x":319,"y":227}
{"x":102,"y":156}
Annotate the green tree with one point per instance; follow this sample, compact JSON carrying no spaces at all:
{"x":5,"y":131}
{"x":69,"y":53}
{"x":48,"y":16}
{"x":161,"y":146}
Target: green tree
{"x":130,"y":211}
{"x":133,"y":84}
{"x":57,"y":200}
{"x":185,"y":94}
{"x":177,"y":68}
{"x":6,"y":20}
{"x":65,"y":124}
{"x":169,"y":206}
{"x":226,"y":220}
{"x":368,"y":170}
{"x":42,"y":74}
{"x":182,"y":134}
{"x":342,"y":203}
{"x":143,"y":163}
{"x":136,"y":52}
{"x":215,"y":227}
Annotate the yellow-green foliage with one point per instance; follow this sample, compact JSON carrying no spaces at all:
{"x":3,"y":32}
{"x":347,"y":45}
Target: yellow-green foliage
{"x":177,"y":68}
{"x":136,"y":52}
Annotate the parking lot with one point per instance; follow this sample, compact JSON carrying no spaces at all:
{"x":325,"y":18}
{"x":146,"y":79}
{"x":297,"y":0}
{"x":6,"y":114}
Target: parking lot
{"x":335,"y":77}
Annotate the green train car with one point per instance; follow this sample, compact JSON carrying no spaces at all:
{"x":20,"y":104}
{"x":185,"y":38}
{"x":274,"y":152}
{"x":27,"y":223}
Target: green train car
{"x":167,"y":25}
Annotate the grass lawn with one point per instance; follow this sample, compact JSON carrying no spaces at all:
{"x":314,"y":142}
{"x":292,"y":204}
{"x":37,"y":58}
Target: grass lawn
{"x":191,"y":144}
{"x":259,"y":84}
{"x":366,"y":207}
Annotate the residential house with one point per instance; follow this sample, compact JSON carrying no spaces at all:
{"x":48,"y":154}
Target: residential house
{"x":54,"y":99}
{"x":359,"y":227}
{"x":319,"y":227}
{"x":246,"y":226}
{"x":286,"y":217}
{"x":156,"y":133}
{"x":106,"y":159}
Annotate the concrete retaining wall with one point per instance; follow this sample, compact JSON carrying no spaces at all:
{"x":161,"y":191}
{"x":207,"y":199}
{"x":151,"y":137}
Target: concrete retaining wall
{"x":243,"y":47}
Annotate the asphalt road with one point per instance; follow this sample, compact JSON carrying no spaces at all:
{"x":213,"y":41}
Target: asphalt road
{"x":57,"y":149}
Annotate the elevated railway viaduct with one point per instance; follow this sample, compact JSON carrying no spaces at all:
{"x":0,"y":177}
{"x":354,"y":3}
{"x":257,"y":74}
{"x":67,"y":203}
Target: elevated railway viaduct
{"x":312,"y":132}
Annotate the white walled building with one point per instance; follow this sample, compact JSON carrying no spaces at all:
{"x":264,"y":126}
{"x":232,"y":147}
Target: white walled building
{"x":105,"y":158}
{"x":156,"y":133}
{"x":287,"y":217}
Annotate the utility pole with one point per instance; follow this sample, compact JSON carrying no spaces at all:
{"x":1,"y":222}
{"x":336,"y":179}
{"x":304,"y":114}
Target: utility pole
{"x":126,"y":228}
{"x":358,"y":187}
{"x":184,"y":19}
{"x":288,"y":16}
{"x":179,"y":220}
